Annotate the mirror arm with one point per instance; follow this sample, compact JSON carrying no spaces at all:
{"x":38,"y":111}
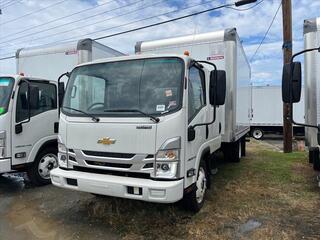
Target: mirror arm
{"x":214,"y":107}
{"x":290,"y":89}
{"x":59,"y":79}
{"x":29,"y":110}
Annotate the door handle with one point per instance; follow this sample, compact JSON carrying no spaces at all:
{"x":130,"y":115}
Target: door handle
{"x":207,"y":131}
{"x":56,"y":127}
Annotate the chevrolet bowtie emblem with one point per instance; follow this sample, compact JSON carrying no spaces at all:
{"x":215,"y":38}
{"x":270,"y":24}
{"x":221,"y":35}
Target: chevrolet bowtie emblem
{"x":106,"y":141}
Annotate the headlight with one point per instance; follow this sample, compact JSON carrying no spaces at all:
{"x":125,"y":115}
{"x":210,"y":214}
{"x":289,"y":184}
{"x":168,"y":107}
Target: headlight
{"x":62,"y":155}
{"x":2,"y":144}
{"x":166,"y":170}
{"x":167,"y":163}
{"x":168,"y":155}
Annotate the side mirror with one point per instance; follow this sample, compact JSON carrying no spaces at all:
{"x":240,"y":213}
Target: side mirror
{"x":61,"y":92}
{"x":191,"y":134}
{"x":217,"y":91}
{"x":291,"y":79}
{"x":34,"y":101}
{"x":18,"y":128}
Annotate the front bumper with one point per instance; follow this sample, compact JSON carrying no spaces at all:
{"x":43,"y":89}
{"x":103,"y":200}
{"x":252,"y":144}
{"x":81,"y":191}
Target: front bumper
{"x":117,"y":186}
{"x":5,"y":165}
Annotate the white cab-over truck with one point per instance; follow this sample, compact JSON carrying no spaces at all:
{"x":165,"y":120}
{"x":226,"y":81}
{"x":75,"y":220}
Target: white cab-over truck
{"x":144,"y":127}
{"x":29,"y":115}
{"x":291,"y":87}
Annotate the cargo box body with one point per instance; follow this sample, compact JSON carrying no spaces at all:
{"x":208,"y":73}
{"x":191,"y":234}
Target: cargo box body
{"x":51,"y":61}
{"x":224,"y":49}
{"x":312,"y":79}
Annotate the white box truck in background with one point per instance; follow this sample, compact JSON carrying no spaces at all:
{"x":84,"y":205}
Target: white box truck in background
{"x":267,"y":112}
{"x":224,"y":49}
{"x":29,"y":114}
{"x":50,"y":61}
{"x":145,"y":127}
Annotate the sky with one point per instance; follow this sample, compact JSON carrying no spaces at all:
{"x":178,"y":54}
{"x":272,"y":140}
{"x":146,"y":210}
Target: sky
{"x":27,"y":23}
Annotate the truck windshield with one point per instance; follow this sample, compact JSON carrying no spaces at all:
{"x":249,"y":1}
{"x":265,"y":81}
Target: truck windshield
{"x":152,"y":86}
{"x":6,"y":85}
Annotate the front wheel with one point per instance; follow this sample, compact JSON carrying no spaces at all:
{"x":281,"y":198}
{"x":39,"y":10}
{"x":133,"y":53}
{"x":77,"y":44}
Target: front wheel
{"x":195,"y":199}
{"x":257,"y":133}
{"x":39,"y":172}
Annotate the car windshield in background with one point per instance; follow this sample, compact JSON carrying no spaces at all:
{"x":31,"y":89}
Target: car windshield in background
{"x":6,"y":84}
{"x":152,"y":86}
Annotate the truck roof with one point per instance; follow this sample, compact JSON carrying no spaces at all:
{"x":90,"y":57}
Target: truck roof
{"x":138,"y":56}
{"x":311,"y":25}
{"x":82,"y":44}
{"x":16,"y":76}
{"x":229,"y":34}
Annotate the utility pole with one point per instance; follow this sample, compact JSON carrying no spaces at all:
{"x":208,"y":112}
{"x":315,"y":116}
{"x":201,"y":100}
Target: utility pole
{"x":287,"y":54}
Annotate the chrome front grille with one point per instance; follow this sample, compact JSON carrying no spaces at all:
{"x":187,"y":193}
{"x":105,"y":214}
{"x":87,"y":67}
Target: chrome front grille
{"x":122,"y":162}
{"x":107,"y":164}
{"x":108,"y":154}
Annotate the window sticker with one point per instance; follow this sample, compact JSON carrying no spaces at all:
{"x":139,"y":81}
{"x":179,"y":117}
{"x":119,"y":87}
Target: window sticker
{"x":1,"y":110}
{"x":161,"y":108}
{"x":168,"y":93}
{"x":172,"y":104}
{"x":4,"y":83}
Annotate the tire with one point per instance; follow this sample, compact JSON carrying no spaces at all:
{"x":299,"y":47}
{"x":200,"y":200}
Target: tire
{"x":315,"y":158}
{"x":313,"y":154}
{"x":243,"y":147}
{"x":232,"y":151}
{"x":39,"y":172}
{"x":257,"y":133}
{"x":194,"y":200}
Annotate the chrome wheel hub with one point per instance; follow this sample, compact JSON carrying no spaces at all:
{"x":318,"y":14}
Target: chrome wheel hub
{"x":46,"y":164}
{"x":257,"y":134}
{"x":201,"y":185}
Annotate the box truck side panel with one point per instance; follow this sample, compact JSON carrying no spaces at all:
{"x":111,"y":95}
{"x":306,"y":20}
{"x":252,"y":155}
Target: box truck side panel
{"x":312,"y":80}
{"x":100,"y":51}
{"x":244,"y":91}
{"x":40,"y":67}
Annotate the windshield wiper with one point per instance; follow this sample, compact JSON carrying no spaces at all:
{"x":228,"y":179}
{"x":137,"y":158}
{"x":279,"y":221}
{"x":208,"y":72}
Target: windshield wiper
{"x":154,"y":119}
{"x":95,"y":119}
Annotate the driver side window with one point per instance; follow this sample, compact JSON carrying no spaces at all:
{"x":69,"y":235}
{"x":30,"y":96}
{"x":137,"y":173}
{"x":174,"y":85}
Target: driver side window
{"x":47,"y":100}
{"x":196,"y":92}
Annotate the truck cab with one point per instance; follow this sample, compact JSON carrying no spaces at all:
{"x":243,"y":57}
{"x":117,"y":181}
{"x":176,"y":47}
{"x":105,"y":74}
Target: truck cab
{"x":28,"y":126}
{"x":141,"y":127}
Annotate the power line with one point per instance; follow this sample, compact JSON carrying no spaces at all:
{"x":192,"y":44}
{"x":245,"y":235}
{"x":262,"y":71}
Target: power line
{"x":6,"y":3}
{"x":34,"y":12}
{"x":5,"y":58}
{"x":58,"y":19}
{"x":266,"y":33}
{"x":68,"y":23}
{"x":11,"y":3}
{"x":163,"y":22}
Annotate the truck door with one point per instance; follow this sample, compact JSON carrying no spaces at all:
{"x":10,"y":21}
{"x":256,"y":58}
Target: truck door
{"x":43,"y":116}
{"x":197,"y":111}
